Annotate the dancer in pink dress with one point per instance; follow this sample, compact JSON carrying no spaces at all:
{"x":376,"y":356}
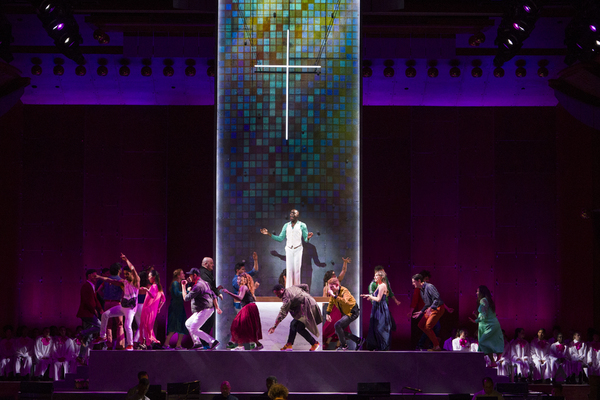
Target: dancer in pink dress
{"x":153,"y":303}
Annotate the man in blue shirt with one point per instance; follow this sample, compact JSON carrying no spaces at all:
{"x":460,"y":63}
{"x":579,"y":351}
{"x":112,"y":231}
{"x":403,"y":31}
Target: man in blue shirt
{"x":433,"y":310}
{"x":240,"y":268}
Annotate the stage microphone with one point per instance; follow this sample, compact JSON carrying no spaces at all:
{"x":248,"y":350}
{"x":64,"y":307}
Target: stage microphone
{"x":413,"y":389}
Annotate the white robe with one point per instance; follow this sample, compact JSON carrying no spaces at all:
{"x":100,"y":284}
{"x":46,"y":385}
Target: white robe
{"x":43,"y":353}
{"x":593,"y":358}
{"x":504,"y":361}
{"x":7,"y":353}
{"x":23,"y":358}
{"x":519,"y":351}
{"x":577,"y":358}
{"x":62,"y":348}
{"x":456,"y":346}
{"x":540,"y":352}
{"x":559,"y":358}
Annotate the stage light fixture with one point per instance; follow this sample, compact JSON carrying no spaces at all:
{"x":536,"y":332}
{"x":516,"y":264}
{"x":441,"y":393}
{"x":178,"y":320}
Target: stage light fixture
{"x":454,"y":72}
{"x":367,"y":72}
{"x":168,"y":71}
{"x":517,"y":24}
{"x":146,"y":71}
{"x":36,"y":70}
{"x":581,"y":35}
{"x":58,"y":70}
{"x":542,"y":70}
{"x":388,"y":71}
{"x":477,"y":72}
{"x":102,"y":70}
{"x":124,"y":70}
{"x":410,"y":72}
{"x":521,"y":72}
{"x":499,"y":72}
{"x":80,"y":70}
{"x":210,"y":71}
{"x":58,"y":21}
{"x":433,"y":72}
{"x":190,"y":71}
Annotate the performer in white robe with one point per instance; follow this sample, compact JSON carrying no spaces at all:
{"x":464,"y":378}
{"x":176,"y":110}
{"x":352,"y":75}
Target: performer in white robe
{"x":594,"y":355}
{"x":461,"y":342}
{"x":43,"y":352}
{"x":519,"y":351}
{"x":540,"y":352}
{"x":62,"y":353}
{"x":558,"y":358}
{"x":504,"y":362}
{"x":577,"y":357}
{"x":23,"y":355}
{"x":7,"y":352}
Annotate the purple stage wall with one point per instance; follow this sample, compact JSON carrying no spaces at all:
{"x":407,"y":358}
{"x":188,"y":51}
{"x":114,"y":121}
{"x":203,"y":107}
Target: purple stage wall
{"x":476,"y":195}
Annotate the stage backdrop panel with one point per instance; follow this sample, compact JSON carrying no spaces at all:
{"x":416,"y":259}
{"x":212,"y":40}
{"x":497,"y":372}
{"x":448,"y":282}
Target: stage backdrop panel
{"x":287,"y":141}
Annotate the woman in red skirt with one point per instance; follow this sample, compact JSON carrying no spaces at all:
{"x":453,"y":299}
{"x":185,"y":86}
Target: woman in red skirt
{"x":246,"y":327}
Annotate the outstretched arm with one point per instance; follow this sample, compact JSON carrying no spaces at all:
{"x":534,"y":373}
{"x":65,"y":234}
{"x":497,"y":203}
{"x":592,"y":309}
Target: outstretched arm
{"x":279,"y":238}
{"x":136,"y":277}
{"x":347,"y":261}
{"x":255,"y":258}
{"x":116,"y":282}
{"x":240,"y":295}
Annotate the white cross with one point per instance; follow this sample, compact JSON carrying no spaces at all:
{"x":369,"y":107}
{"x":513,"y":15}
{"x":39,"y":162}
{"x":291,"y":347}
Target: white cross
{"x":287,"y":67}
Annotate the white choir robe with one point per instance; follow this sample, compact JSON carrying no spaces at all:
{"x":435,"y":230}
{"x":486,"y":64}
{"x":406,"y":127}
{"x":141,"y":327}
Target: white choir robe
{"x":23,"y":358}
{"x":75,"y":353}
{"x":457,"y":346}
{"x":62,"y":351}
{"x":7,"y":353}
{"x":504,"y":361}
{"x":593,"y":358}
{"x":540,"y":360}
{"x":43,"y":353}
{"x":559,"y":358}
{"x":519,"y":351}
{"x":577,"y":358}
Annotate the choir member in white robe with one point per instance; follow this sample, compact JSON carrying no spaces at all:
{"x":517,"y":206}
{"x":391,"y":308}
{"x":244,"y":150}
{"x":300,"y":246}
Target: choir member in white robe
{"x":62,"y":352}
{"x":540,"y":351}
{"x":519,"y":351}
{"x":577,"y":357}
{"x":594,"y":355}
{"x":43,"y":352}
{"x":461,"y":342}
{"x":558,"y":357}
{"x":23,"y":356}
{"x":504,"y":362}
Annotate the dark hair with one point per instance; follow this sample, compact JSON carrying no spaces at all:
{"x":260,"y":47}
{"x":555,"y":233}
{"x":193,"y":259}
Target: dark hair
{"x":484,"y":292}
{"x":104,"y":270}
{"x":328,"y":275}
{"x":425,"y":274}
{"x":88,"y":272}
{"x":379,"y":268}
{"x":282,"y":277}
{"x":156,"y":276}
{"x":278,"y":287}
{"x":543,"y":330}
{"x":487,"y":378}
{"x":144,"y":382}
{"x":418,"y":277}
{"x":144,"y":279}
{"x":239,"y":265}
{"x":271,"y":379}
{"x":142,"y":373}
{"x":517,"y":331}
{"x":115,"y":268}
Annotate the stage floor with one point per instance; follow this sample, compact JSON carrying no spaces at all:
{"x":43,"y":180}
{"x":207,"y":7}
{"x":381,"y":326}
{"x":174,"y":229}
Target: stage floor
{"x":300,"y":371}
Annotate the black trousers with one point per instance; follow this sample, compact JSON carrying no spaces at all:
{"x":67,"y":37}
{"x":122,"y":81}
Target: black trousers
{"x":299,"y":327}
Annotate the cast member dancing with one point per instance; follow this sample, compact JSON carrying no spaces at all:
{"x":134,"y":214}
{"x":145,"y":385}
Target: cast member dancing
{"x":240,"y":269}
{"x":177,"y":317}
{"x":89,"y":311}
{"x":489,"y":332}
{"x":153,"y":303}
{"x":433,"y":309}
{"x":329,"y":334}
{"x":246,"y":327}
{"x":295,"y":232}
{"x":341,"y":297}
{"x":380,"y":323}
{"x":131,"y":287}
{"x":304,"y":309}
{"x":203,"y":306}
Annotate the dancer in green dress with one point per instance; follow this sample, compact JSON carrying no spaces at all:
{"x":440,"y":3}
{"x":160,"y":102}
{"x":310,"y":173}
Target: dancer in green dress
{"x":490,"y":335}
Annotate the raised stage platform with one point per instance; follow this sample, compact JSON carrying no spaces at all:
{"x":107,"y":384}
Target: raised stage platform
{"x":300,"y":371}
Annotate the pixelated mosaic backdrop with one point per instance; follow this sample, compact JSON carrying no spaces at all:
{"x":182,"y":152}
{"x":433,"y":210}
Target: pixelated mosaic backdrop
{"x":260,"y":175}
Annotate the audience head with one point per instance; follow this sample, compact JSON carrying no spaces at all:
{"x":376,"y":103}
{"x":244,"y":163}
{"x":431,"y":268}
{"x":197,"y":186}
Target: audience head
{"x":142,"y":374}
{"x":519,"y":333}
{"x":46,"y":332}
{"x":240,"y":267}
{"x":143,"y":386}
{"x":426,"y":275}
{"x":225,"y":388}
{"x":278,"y":290}
{"x":278,"y":391}
{"x":270,"y":381}
{"x":488,"y":385}
{"x":115,"y":269}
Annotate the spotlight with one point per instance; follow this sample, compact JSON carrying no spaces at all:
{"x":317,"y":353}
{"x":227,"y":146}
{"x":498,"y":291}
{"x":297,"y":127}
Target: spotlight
{"x":521,"y":72}
{"x":168,"y":71}
{"x":388,"y":72}
{"x":476,"y":72}
{"x":499,"y":72}
{"x":517,"y":24}
{"x":102,"y":70}
{"x":80,"y":70}
{"x":543,"y":71}
{"x":190,"y":71}
{"x":411,"y":72}
{"x":124,"y":70}
{"x":58,"y":21}
{"x":36,"y":70}
{"x":455,"y":72}
{"x":433,"y":72}
{"x":581,"y":36}
{"x":58,"y":70}
{"x":5,"y":39}
{"x":146,"y":71}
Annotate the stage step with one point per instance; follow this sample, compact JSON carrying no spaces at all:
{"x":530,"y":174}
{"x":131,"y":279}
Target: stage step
{"x":69,"y":383}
